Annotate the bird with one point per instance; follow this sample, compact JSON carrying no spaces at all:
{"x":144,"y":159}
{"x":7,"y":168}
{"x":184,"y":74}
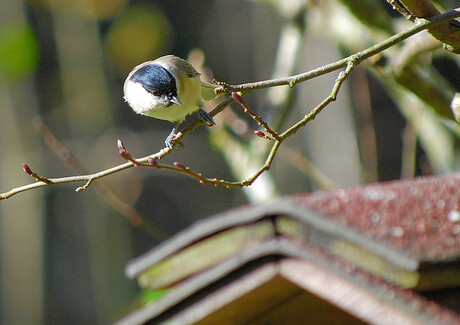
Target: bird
{"x":168,"y":88}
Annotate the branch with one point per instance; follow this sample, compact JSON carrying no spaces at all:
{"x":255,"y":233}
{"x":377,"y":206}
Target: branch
{"x":447,"y":32}
{"x":420,"y":25}
{"x":151,"y":161}
{"x":237,"y":98}
{"x":332,"y":97}
{"x":89,"y":178}
{"x":112,"y":198}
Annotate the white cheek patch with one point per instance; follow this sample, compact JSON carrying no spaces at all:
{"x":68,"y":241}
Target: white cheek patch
{"x":140,"y":100}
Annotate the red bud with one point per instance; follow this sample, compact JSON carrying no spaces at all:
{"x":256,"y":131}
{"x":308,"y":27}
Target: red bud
{"x":236,"y":97}
{"x":260,"y":134}
{"x":125,"y":154}
{"x":152,"y":162}
{"x":27,"y":169}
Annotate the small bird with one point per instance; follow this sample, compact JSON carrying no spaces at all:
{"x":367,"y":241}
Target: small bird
{"x":168,"y":88}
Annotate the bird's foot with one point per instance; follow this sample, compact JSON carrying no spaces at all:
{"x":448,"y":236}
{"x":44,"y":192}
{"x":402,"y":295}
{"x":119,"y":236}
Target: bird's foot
{"x":171,"y":140}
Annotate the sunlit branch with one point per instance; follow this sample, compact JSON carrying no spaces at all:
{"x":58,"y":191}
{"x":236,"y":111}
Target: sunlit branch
{"x":152,"y":160}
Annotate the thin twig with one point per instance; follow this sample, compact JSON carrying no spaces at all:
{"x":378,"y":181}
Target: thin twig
{"x":420,"y":25}
{"x":332,"y":97}
{"x":448,"y":32}
{"x":258,"y":119}
{"x":37,"y":177}
{"x":401,"y":9}
{"x":348,"y":62}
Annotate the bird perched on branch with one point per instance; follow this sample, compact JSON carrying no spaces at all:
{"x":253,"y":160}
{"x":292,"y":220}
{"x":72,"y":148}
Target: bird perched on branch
{"x":168,"y":88}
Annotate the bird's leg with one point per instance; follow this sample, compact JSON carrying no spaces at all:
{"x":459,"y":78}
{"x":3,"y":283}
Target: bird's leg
{"x":169,"y":142}
{"x":204,"y":116}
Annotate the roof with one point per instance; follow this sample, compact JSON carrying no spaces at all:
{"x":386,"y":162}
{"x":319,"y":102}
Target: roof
{"x":355,"y":249}
{"x":421,"y":217}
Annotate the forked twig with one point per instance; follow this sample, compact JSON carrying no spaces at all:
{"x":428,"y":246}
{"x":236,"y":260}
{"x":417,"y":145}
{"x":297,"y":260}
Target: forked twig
{"x":243,"y":89}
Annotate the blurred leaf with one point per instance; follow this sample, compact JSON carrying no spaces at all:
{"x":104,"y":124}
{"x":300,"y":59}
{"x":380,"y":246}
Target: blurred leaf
{"x":141,"y":33}
{"x":19,"y":51}
{"x":149,"y":296}
{"x":370,"y":12}
{"x":102,"y":9}
{"x":436,"y":140}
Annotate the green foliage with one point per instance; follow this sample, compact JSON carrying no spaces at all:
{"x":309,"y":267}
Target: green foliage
{"x":19,"y":51}
{"x":139,"y":34}
{"x":148,"y":296}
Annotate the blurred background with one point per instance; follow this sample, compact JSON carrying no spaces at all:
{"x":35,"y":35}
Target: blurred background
{"x":62,"y":68}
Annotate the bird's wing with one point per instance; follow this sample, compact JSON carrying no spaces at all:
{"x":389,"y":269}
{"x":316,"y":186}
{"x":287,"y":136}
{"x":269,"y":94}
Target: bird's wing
{"x":207,"y":91}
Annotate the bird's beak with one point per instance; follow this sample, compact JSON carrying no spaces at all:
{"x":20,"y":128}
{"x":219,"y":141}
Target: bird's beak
{"x":175,"y":100}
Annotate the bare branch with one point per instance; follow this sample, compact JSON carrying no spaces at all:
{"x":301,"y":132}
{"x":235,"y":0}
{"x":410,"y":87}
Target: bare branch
{"x":332,"y":97}
{"x":421,"y":24}
{"x":447,"y":32}
{"x":401,"y":9}
{"x":151,"y":160}
{"x":258,"y":119}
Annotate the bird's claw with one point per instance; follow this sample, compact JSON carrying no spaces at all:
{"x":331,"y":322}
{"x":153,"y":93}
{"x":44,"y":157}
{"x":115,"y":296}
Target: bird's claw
{"x":171,"y":140}
{"x":205,"y":117}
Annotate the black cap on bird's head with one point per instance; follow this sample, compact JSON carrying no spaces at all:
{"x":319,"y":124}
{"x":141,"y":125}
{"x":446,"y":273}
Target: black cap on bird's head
{"x":158,"y":81}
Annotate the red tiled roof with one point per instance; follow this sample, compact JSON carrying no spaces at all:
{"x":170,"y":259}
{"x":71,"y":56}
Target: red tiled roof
{"x":350,"y":239}
{"x":419,"y":216}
